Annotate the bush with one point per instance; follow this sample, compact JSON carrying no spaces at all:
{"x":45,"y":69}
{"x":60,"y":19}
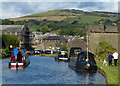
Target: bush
{"x":5,"y":53}
{"x":64,"y":47}
{"x":104,"y":48}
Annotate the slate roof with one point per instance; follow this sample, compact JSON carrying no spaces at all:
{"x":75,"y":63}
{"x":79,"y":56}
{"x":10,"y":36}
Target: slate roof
{"x":11,"y":28}
{"x":108,"y":28}
{"x":55,"y":38}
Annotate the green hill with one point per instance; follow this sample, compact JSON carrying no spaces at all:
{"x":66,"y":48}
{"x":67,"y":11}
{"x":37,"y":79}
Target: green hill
{"x":69,"y":15}
{"x":64,"y":22}
{"x":65,"y":12}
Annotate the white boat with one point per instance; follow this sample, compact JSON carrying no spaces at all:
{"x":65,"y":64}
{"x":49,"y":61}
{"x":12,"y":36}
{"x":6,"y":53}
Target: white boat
{"x":62,"y":56}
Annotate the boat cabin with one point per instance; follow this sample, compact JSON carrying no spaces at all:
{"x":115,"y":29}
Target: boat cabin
{"x":37,"y":51}
{"x":81,"y":60}
{"x":74,"y":53}
{"x":62,"y":56}
{"x":49,"y":51}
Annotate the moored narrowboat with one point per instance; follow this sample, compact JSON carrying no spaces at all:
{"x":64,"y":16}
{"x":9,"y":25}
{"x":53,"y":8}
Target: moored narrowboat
{"x":82,"y":61}
{"x":37,"y":51}
{"x":19,"y":65}
{"x":62,"y":56}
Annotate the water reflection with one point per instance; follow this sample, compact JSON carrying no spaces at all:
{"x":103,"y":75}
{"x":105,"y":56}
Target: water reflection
{"x":44,"y":70}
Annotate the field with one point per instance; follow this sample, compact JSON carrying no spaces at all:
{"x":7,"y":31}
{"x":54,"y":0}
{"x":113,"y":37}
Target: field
{"x":88,"y":19}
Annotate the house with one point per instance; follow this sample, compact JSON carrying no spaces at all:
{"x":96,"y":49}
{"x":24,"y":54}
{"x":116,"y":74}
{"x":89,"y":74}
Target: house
{"x":54,"y":42}
{"x":50,"y":34}
{"x":36,"y":37}
{"x":21,"y":31}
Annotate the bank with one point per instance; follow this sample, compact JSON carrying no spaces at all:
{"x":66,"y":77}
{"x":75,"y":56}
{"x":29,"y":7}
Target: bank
{"x":49,"y":55}
{"x":110,"y":72}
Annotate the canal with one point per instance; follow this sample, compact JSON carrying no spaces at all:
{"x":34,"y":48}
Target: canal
{"x":45,"y":70}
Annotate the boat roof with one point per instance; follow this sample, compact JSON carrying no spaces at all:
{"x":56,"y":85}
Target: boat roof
{"x":36,"y":49}
{"x":75,"y":48}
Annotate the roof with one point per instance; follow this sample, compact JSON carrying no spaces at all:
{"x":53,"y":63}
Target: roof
{"x":108,"y":28}
{"x":55,"y":38}
{"x":11,"y":28}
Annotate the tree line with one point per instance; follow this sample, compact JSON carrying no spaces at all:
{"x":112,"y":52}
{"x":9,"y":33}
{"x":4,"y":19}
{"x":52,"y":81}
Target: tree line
{"x":60,"y":27}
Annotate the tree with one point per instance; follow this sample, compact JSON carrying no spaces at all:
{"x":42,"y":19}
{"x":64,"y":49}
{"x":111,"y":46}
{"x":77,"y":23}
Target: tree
{"x":45,"y":29}
{"x":33,"y":22}
{"x":80,"y":32}
{"x":10,"y":40}
{"x":64,"y":47}
{"x":104,"y":48}
{"x":7,"y":22}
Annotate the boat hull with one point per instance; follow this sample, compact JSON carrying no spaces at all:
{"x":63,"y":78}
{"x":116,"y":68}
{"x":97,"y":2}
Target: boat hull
{"x":83,"y":67}
{"x":60,"y":58}
{"x":19,"y":65}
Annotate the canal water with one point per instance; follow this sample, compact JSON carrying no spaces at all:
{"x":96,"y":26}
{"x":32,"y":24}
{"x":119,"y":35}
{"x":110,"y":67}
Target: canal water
{"x":45,"y":70}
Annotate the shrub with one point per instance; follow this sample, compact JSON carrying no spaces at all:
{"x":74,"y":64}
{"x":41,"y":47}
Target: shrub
{"x":5,"y":53}
{"x":64,"y":47}
{"x":104,"y":48}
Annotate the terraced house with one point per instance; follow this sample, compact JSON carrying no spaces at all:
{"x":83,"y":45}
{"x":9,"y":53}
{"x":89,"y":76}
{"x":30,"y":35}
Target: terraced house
{"x":54,"y":42}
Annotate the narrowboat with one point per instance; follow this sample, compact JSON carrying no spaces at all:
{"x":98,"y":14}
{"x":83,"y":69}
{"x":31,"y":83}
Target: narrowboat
{"x":82,"y":61}
{"x":37,"y":51}
{"x":50,"y":51}
{"x":19,"y":65}
{"x":62,"y":56}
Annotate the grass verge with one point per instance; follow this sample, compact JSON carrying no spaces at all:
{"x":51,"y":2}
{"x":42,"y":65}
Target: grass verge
{"x":48,"y":55}
{"x":110,"y":71}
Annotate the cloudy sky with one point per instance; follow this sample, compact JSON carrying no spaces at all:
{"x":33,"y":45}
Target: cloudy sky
{"x":13,"y":9}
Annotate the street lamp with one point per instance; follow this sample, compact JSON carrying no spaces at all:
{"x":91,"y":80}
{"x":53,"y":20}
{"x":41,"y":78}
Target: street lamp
{"x":11,"y":47}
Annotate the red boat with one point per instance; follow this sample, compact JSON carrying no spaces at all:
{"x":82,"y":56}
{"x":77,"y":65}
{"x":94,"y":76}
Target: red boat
{"x":19,"y":65}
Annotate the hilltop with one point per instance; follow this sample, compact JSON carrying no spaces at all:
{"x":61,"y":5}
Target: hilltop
{"x":68,"y":15}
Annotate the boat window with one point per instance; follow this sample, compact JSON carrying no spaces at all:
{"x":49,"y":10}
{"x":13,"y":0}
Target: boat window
{"x":74,"y":52}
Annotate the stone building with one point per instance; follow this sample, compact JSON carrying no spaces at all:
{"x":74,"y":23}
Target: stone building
{"x":21,"y":31}
{"x":76,"y":42}
{"x":54,"y":42}
{"x":36,"y":37}
{"x":110,"y":35}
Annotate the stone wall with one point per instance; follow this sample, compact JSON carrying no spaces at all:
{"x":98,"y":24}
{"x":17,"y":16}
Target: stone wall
{"x":95,"y":38}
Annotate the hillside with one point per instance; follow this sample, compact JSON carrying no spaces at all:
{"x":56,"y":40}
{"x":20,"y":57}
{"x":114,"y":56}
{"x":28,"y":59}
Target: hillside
{"x":68,"y":15}
{"x":64,"y":22}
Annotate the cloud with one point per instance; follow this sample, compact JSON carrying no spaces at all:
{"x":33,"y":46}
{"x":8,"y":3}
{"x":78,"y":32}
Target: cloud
{"x":99,"y":6}
{"x":60,"y":0}
{"x":17,"y":9}
{"x":10,"y":9}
